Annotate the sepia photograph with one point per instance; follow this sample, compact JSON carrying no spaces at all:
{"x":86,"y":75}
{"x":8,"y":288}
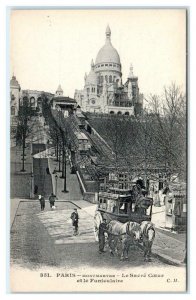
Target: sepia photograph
{"x":98,"y":149}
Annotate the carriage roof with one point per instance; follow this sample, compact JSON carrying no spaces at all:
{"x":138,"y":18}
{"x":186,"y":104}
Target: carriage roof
{"x":109,"y":195}
{"x":120,"y":191}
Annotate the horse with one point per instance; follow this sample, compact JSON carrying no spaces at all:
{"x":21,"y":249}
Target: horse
{"x":128,"y":233}
{"x":147,"y":237}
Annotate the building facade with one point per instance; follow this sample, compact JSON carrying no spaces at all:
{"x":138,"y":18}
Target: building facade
{"x":34,"y":98}
{"x":65,"y":104}
{"x":15,"y":96}
{"x":104,"y":91}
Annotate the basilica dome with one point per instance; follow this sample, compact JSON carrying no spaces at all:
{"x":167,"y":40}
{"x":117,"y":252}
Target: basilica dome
{"x":108,"y":54}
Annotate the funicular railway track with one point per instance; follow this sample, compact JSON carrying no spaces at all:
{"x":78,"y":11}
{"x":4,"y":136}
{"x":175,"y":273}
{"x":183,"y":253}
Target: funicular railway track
{"x":99,"y":145}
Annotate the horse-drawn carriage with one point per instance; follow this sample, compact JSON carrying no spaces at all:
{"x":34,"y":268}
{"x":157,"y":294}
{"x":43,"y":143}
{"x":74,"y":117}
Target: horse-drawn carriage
{"x":123,"y":210}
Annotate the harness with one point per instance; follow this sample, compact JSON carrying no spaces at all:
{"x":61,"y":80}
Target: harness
{"x":127,"y":229}
{"x":121,"y":234}
{"x":147,"y":228}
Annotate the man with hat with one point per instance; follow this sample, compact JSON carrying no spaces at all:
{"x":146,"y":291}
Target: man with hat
{"x":101,"y":235}
{"x":42,"y":201}
{"x":75,"y":218}
{"x":52,"y":199}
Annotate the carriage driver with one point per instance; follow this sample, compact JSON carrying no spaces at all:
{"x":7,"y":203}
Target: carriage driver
{"x":101,"y":235}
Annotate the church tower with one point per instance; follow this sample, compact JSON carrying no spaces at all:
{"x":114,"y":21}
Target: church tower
{"x":133,"y":90}
{"x":15,"y":94}
{"x":59,"y":91}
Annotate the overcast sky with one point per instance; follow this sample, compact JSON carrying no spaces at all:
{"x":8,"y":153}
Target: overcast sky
{"x":48,"y":47}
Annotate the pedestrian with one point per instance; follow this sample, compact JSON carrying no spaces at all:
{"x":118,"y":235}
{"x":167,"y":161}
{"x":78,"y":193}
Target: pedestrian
{"x":156,"y":199}
{"x":101,"y":235}
{"x":42,"y":201}
{"x":75,"y":218}
{"x":52,"y":199}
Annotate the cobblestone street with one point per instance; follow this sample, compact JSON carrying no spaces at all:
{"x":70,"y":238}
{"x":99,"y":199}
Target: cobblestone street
{"x":46,"y":239}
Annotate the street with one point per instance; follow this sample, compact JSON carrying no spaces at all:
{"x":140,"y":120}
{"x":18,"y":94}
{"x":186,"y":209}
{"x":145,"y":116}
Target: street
{"x":46,"y":239}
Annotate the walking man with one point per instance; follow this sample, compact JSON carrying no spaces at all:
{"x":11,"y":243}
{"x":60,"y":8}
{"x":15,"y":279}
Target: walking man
{"x":52,"y":199}
{"x":101,"y":235}
{"x":42,"y":201}
{"x":75,"y":218}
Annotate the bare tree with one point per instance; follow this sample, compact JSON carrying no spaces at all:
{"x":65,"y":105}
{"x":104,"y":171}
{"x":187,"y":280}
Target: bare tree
{"x":168,"y":129}
{"x":153,"y":142}
{"x":24,"y":128}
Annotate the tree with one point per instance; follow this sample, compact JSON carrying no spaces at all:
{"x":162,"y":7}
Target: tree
{"x":168,"y":129}
{"x":24,"y":128}
{"x":116,"y":153}
{"x":58,"y":130}
{"x":150,"y":143}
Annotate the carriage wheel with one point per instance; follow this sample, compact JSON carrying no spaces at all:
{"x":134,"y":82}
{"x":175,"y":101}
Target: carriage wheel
{"x":97,"y":221}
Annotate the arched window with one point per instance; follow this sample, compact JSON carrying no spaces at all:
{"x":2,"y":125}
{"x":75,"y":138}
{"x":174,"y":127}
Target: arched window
{"x":119,"y":113}
{"x":99,"y":79}
{"x":111,"y":112}
{"x":25,"y":100}
{"x":127,"y":113}
{"x":110,"y":79}
{"x":106,"y":78}
{"x":134,"y":91}
{"x":32,"y":101}
{"x":13,"y":111}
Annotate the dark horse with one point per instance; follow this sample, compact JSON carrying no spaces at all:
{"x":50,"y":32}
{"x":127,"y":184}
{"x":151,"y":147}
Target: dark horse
{"x":148,"y":235}
{"x":128,"y":233}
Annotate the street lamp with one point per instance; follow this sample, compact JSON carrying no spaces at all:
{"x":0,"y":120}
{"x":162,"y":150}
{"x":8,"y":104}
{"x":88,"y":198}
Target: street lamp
{"x":32,"y":186}
{"x":65,"y":175}
{"x":56,"y":178}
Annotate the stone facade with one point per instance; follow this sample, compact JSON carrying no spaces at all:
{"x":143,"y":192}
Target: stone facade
{"x":15,"y":96}
{"x":62,"y":103}
{"x":34,"y":98}
{"x":103,"y":89}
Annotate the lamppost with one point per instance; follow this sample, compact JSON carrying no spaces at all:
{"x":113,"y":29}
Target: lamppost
{"x":65,"y":176}
{"x":32,"y":186}
{"x":56,"y":178}
{"x":59,"y":159}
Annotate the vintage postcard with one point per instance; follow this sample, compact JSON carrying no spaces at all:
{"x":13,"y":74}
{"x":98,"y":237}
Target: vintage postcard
{"x":98,"y":157}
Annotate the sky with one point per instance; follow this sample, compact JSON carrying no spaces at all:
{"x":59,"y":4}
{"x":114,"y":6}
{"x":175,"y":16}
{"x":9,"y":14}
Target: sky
{"x":52,"y":47}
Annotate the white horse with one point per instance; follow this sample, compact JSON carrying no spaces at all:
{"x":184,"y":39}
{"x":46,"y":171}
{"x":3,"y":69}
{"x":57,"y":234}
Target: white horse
{"x":128,"y":233}
{"x":148,"y":235}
